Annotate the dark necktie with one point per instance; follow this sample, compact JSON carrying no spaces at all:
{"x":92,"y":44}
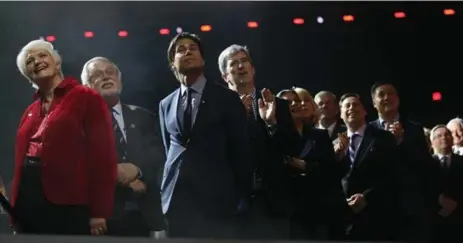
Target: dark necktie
{"x":121,"y":144}
{"x":352,"y":147}
{"x":187,"y":114}
{"x":445,"y":163}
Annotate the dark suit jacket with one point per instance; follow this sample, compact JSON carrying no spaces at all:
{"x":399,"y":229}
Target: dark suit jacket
{"x":374,"y":174}
{"x":144,"y":149}
{"x":210,"y":171}
{"x":320,"y":190}
{"x":268,"y":151}
{"x":338,"y":128}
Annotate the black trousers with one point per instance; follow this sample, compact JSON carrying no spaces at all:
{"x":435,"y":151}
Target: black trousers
{"x":36,"y":215}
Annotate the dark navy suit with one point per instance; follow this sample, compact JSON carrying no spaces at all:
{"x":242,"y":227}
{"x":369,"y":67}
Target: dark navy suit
{"x":207,"y":173}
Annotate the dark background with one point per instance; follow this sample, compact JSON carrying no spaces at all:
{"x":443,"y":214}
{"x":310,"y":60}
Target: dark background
{"x":418,"y":53}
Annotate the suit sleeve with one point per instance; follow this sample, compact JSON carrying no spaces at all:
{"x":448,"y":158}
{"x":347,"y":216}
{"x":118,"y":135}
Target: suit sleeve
{"x":102,"y":156}
{"x":238,"y":134}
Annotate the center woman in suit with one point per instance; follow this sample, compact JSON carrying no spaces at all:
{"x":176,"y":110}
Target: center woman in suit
{"x":318,"y":202}
{"x":205,"y":135}
{"x":139,"y":146}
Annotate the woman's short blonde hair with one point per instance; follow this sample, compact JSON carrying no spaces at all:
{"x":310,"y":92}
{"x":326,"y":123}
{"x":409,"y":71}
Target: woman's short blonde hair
{"x":39,"y":44}
{"x":303,"y":94}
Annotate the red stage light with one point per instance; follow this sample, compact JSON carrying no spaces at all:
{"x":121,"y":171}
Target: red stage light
{"x":298,"y":21}
{"x":436,"y":96}
{"x":206,"y":28}
{"x":348,"y":18}
{"x":253,"y":24}
{"x":123,"y":33}
{"x":164,"y":31}
{"x":399,"y":15}
{"x":88,"y":34}
{"x":449,"y":11}
{"x":50,"y":38}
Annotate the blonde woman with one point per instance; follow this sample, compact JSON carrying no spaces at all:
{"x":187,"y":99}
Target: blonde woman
{"x":314,"y":173}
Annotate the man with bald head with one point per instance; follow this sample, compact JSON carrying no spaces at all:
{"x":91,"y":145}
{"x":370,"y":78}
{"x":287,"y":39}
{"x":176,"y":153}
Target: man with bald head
{"x":137,"y":200}
{"x":329,"y":114}
{"x":456,"y":128}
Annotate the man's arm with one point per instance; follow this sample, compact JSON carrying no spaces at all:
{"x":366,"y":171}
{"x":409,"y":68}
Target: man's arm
{"x":102,"y":156}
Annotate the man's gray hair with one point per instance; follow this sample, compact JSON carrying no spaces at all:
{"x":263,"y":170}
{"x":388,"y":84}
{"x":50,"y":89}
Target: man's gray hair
{"x":456,"y":119}
{"x":34,"y":45}
{"x":433,"y":130}
{"x":326,"y":92}
{"x":228,"y":52}
{"x":85,"y":77}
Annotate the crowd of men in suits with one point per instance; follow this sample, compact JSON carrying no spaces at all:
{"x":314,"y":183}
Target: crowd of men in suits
{"x":245,"y":163}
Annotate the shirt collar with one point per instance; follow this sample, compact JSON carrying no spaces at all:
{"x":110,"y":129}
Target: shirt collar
{"x":440,"y":156}
{"x":359,"y":132}
{"x":198,"y":86}
{"x":381,"y":121}
{"x":117,"y":108}
{"x":67,"y":84}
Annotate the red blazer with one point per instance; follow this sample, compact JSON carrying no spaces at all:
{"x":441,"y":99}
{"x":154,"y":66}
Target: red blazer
{"x":79,"y":159}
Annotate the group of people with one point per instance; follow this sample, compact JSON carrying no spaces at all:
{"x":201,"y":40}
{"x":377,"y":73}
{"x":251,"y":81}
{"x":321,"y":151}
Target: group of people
{"x":217,"y":162}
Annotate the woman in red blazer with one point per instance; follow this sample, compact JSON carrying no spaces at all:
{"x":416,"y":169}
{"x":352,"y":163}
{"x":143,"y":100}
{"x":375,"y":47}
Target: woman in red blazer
{"x":65,"y":159}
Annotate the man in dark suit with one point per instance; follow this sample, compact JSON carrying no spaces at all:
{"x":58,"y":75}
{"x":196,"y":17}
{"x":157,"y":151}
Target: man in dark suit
{"x":137,"y":200}
{"x":208,"y":169}
{"x":371,"y":183}
{"x":329,"y":114}
{"x":415,"y":158}
{"x":448,"y":168}
{"x":271,"y":131}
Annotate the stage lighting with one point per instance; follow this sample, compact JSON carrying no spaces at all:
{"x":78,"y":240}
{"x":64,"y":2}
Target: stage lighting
{"x":179,"y":30}
{"x":449,"y":11}
{"x":320,"y":20}
{"x":164,"y":31}
{"x":298,"y":21}
{"x":253,"y":24}
{"x":436,"y":96}
{"x":399,"y":15}
{"x":88,"y":34}
{"x":348,"y":18}
{"x":206,"y":28}
{"x":123,"y":33}
{"x":50,"y":38}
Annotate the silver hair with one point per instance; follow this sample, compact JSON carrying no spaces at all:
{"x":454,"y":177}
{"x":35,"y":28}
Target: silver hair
{"x":39,"y":44}
{"x":326,"y":92}
{"x":457,"y":119}
{"x":433,"y":130}
{"x":228,"y":52}
{"x":84,"y":76}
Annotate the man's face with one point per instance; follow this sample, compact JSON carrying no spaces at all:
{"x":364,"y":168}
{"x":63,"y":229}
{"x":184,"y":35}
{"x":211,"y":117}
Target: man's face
{"x":327,"y":105}
{"x":352,"y":110}
{"x":104,"y":77}
{"x":40,"y":65}
{"x":187,"y":56}
{"x":442,"y":139}
{"x":239,"y":70}
{"x":386,"y":99}
{"x":456,"y":129}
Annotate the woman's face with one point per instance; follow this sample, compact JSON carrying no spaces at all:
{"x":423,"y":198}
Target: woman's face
{"x":294,"y":104}
{"x":40,"y":65}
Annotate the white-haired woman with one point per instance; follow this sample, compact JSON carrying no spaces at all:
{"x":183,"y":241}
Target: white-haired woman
{"x":65,"y":159}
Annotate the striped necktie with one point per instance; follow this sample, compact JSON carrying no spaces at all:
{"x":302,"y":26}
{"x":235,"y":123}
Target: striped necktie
{"x":121,"y":144}
{"x":353,"y":147}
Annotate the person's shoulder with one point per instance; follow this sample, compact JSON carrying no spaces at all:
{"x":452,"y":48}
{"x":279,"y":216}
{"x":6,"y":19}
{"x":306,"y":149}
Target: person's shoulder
{"x":169,"y":97}
{"x":139,"y":110}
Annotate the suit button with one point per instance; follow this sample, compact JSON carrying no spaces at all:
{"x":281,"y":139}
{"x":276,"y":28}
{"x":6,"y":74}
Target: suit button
{"x":124,"y":158}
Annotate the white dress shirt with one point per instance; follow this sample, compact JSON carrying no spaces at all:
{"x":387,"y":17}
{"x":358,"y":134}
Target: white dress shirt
{"x":117,"y":113}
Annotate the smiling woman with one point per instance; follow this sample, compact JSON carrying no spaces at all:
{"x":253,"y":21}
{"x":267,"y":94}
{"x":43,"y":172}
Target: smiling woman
{"x":65,"y":161}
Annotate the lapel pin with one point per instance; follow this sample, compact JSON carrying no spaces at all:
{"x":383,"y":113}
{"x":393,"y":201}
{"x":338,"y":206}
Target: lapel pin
{"x":30,"y":114}
{"x":132,"y":125}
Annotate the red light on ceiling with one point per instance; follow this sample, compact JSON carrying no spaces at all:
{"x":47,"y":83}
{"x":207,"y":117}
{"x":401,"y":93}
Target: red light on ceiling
{"x":123,"y":33}
{"x":50,"y":38}
{"x":436,"y":96}
{"x":164,"y":31}
{"x":206,"y":28}
{"x":253,"y":24}
{"x":399,"y":15}
{"x":88,"y":34}
{"x":449,"y":11}
{"x":298,"y":21}
{"x":348,"y":18}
